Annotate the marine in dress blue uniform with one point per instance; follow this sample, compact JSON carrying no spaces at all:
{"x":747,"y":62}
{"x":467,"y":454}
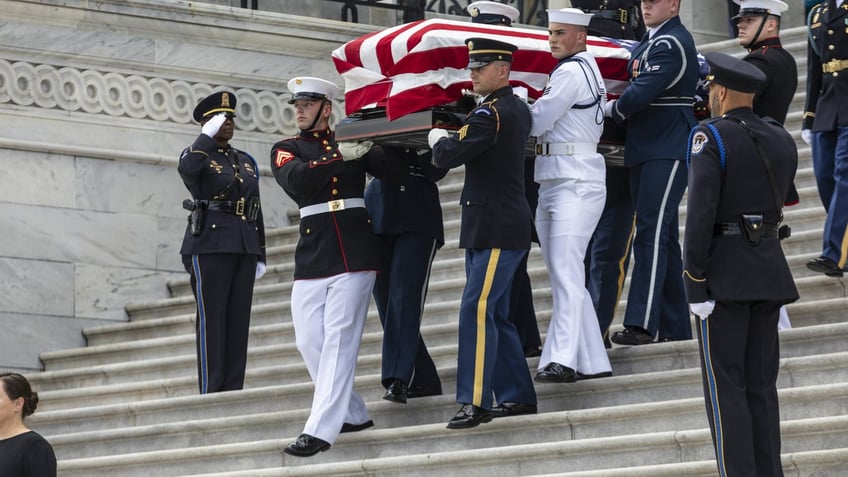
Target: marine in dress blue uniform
{"x":407,"y":216}
{"x":495,"y":233}
{"x":826,"y":116}
{"x":336,"y":259}
{"x":608,"y":254}
{"x":521,"y":310}
{"x":223,"y":247}
{"x":657,"y":105}
{"x":741,"y":168}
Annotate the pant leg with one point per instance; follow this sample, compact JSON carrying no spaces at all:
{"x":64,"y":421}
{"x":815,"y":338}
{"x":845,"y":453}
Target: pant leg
{"x":657,"y":188}
{"x":212,"y":279}
{"x":836,"y":224}
{"x":329,"y":343}
{"x":722,"y":340}
{"x":403,"y":346}
{"x":761,"y":369}
{"x":237,"y":330}
{"x":609,"y":250}
{"x":824,"y":151}
{"x":489,"y":274}
{"x":521,"y":311}
{"x":570,"y":210}
{"x":674,"y":323}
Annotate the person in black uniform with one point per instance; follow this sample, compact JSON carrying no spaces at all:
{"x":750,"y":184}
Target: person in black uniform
{"x":336,"y":260}
{"x":521,"y":310}
{"x":608,"y":253}
{"x":736,"y":276}
{"x":825,"y":127}
{"x":224,"y":244}
{"x":407,"y":216}
{"x":23,"y":453}
{"x":495,"y":233}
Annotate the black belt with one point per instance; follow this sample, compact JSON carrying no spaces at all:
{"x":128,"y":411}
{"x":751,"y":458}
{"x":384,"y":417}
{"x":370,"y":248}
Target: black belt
{"x":247,"y":208}
{"x":732,"y":228}
{"x":619,"y":15}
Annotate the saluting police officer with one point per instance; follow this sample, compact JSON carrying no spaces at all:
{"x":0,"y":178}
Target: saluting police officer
{"x":336,"y":259}
{"x":495,"y":233}
{"x":224,"y":245}
{"x":825,"y":127}
{"x":736,"y":276}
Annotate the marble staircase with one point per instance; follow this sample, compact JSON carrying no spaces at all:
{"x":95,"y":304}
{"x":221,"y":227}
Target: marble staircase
{"x":126,"y":404}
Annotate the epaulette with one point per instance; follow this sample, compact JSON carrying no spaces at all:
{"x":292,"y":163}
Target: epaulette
{"x":698,"y":139}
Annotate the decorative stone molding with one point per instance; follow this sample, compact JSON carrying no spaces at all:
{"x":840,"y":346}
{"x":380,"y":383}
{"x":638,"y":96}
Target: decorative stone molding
{"x":139,"y":97}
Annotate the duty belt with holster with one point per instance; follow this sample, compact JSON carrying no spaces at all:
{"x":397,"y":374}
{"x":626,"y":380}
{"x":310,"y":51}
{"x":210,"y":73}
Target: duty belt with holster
{"x":248,"y":209}
{"x":834,"y":66}
{"x":619,"y":15}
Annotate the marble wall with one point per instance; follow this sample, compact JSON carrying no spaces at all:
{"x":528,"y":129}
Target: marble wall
{"x":96,"y":101}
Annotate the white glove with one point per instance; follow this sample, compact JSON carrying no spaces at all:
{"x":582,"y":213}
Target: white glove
{"x":608,"y":108}
{"x":214,"y":124}
{"x":703,"y":310}
{"x":260,"y":269}
{"x":354,"y":150}
{"x":807,"y":136}
{"x":436,"y":134}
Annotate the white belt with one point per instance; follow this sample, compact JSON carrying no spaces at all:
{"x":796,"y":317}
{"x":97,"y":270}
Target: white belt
{"x":565,"y":148}
{"x":331,"y":206}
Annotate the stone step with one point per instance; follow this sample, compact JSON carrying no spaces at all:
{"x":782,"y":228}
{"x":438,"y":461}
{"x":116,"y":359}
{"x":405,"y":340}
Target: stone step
{"x":801,"y":435}
{"x":796,"y":403}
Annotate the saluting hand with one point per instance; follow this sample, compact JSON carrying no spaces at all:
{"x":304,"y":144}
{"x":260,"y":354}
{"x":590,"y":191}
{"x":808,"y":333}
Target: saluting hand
{"x":211,"y":127}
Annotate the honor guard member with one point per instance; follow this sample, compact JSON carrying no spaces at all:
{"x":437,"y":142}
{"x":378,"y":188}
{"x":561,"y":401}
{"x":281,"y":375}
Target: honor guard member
{"x":521,"y":310}
{"x":740,"y":169}
{"x":608,"y":255}
{"x":825,"y":127}
{"x":657,"y":105}
{"x":407,"y":215}
{"x":336,"y":259}
{"x":567,"y":121}
{"x":224,"y":244}
{"x":495,"y":233}
{"x":619,"y":19}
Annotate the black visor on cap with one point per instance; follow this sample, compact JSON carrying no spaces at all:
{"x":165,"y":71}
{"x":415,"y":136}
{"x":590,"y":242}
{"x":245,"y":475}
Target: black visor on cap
{"x":307,"y":96}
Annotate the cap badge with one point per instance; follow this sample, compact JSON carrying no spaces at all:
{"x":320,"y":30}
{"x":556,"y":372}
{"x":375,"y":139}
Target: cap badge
{"x":225,"y":100}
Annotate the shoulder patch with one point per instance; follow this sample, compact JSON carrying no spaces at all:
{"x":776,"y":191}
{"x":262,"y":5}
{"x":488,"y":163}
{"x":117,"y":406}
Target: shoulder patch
{"x":699,"y":140}
{"x":282,"y":158}
{"x":485,"y":111}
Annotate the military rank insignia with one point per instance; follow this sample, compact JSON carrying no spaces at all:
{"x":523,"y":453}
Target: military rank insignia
{"x":282,"y":158}
{"x":214,"y":165}
{"x":699,"y":141}
{"x":463,"y":131}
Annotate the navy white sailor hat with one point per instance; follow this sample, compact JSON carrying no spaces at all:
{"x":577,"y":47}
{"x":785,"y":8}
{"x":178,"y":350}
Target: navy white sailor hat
{"x":569,"y":16}
{"x":220,"y":102}
{"x":751,"y":8}
{"x":492,"y":13}
{"x":307,"y":87}
{"x":482,"y":51}
{"x":733,"y":73}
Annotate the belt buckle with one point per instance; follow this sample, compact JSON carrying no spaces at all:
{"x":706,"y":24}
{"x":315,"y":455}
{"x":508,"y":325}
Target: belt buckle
{"x":336,"y":205}
{"x":622,"y":16}
{"x":569,"y":149}
{"x":240,"y":207}
{"x":538,"y":149}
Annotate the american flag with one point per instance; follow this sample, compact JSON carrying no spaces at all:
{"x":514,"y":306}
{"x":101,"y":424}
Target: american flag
{"x":421,"y":64}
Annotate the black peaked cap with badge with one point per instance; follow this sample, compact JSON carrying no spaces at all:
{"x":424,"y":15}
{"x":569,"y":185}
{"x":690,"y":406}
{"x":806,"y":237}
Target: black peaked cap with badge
{"x":482,"y":51}
{"x":220,"y":102}
{"x":733,"y":73}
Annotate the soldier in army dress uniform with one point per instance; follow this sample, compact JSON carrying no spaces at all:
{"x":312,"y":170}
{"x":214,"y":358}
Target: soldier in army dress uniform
{"x":495,"y":233}
{"x":336,"y":259}
{"x":825,"y":127}
{"x":224,"y":244}
{"x":741,"y":167}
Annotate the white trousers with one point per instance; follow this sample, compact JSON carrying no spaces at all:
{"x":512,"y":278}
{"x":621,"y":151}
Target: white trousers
{"x":329,"y":315}
{"x":568,"y":212}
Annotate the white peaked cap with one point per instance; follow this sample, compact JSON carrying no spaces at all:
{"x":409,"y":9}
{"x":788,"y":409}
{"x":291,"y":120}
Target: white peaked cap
{"x":569,"y":16}
{"x":306,"y":87}
{"x":492,"y":8}
{"x":774,"y":7}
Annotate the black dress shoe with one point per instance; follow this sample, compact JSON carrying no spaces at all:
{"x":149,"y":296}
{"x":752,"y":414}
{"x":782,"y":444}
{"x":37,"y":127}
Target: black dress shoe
{"x":348,"y":427}
{"x":506,"y":409}
{"x":396,"y":392}
{"x":306,"y":446}
{"x":826,"y":266}
{"x":632,"y":336}
{"x":556,"y":373}
{"x":583,"y":377}
{"x":469,"y":416}
{"x":415,"y":391}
